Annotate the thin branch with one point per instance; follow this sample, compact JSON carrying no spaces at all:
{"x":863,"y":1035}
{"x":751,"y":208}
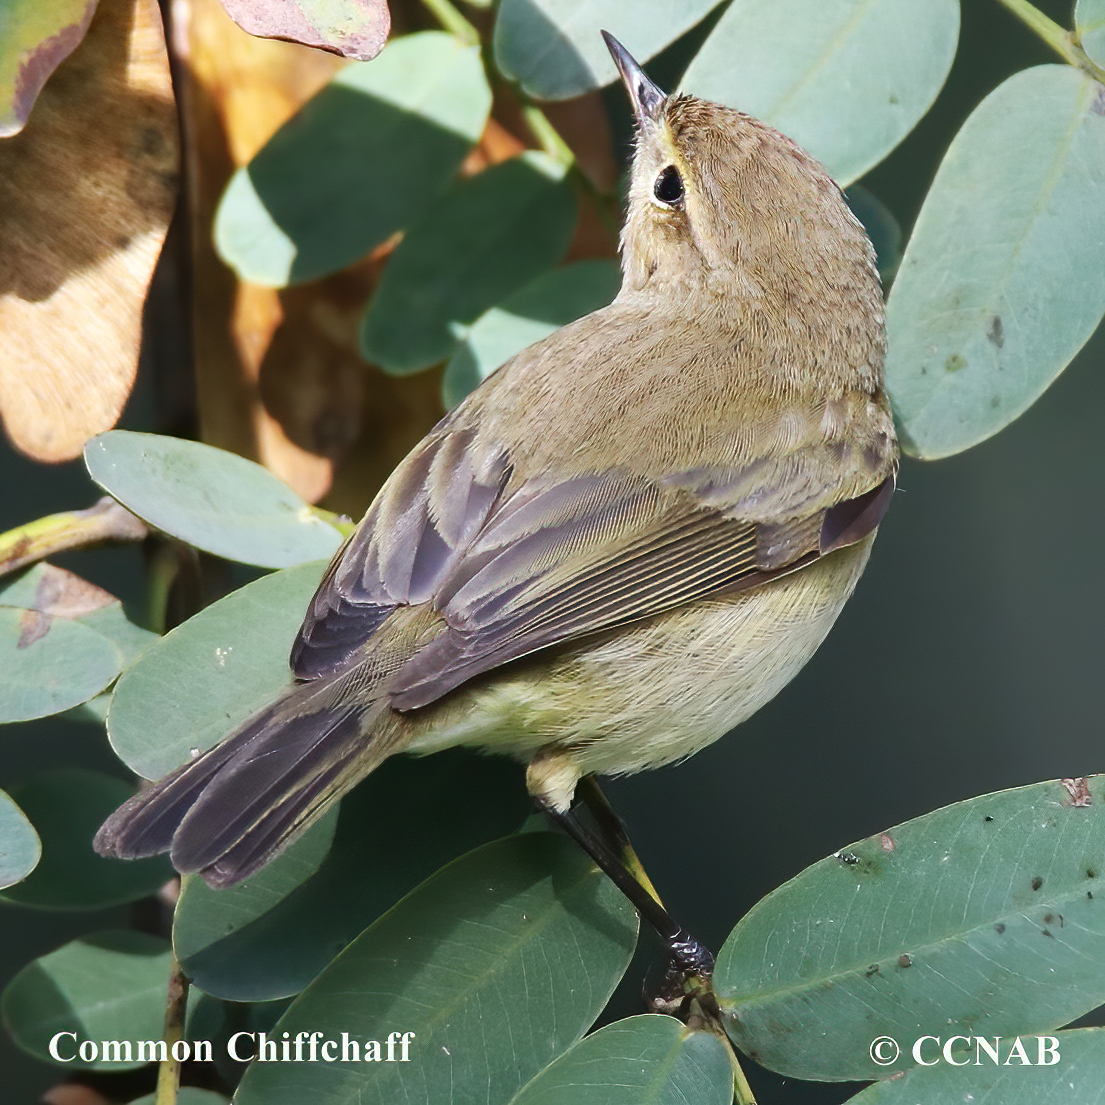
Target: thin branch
{"x":105,"y":522}
{"x":451,"y":19}
{"x":1065,"y":43}
{"x":176,"y":1005}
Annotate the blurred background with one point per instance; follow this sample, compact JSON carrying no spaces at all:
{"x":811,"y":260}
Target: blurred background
{"x":969,"y":659}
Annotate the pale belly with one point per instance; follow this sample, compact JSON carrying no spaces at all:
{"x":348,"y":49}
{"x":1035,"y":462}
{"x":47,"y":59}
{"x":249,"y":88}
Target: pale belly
{"x":659,"y":692}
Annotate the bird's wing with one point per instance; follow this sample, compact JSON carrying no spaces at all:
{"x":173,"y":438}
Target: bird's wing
{"x":513,"y":567}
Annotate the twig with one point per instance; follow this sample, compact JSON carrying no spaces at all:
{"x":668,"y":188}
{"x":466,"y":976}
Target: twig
{"x":1065,"y":43}
{"x":176,"y":1005}
{"x":75,"y":529}
{"x":451,"y":19}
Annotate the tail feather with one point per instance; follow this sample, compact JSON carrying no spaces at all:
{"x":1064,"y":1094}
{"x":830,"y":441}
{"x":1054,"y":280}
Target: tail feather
{"x":231,"y":810}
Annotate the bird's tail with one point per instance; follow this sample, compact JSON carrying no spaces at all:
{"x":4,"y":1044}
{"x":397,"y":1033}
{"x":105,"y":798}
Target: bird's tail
{"x":231,"y":810}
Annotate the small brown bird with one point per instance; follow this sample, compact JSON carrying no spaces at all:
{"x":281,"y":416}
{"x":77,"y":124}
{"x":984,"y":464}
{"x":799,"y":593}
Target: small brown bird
{"x":622,"y":544}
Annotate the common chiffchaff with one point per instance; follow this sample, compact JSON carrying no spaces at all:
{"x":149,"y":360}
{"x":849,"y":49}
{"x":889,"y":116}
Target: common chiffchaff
{"x":618,"y":547}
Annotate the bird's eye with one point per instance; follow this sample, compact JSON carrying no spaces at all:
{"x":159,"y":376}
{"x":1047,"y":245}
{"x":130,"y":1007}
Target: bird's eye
{"x":669,"y":187}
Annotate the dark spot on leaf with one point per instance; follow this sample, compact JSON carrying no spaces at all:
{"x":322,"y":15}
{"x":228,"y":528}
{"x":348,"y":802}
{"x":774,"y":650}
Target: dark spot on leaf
{"x":1078,"y":791}
{"x":1091,"y":873}
{"x":1044,"y":932}
{"x":1097,"y":105}
{"x":1089,"y":895}
{"x":999,"y":928}
{"x":1048,"y":918}
{"x":849,"y":859}
{"x":894,"y":99}
{"x":995,"y":402}
{"x":995,"y":333}
{"x":904,"y":961}
{"x":33,"y":626}
{"x":987,"y":818}
{"x":122,"y":241}
{"x":872,"y":970}
{"x":1037,"y":882}
{"x":955,"y":362}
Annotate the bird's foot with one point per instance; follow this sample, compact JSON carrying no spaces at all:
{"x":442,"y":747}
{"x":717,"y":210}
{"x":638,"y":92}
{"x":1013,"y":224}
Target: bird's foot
{"x":686,"y":981}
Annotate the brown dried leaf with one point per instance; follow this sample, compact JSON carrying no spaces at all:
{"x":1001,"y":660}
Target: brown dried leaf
{"x":86,"y":194}
{"x":356,"y":29}
{"x":279,"y":374}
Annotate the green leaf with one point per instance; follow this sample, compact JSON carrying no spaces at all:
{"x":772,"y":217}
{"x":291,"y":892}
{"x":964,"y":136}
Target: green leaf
{"x":1089,"y":23}
{"x":66,"y":807}
{"x":271,"y":935}
{"x":983,"y":918}
{"x":36,"y":36}
{"x":1076,"y":1079}
{"x":553,"y":48}
{"x":530,"y":314}
{"x":108,"y":986}
{"x":646,"y":1060}
{"x":55,"y":591}
{"x":496,"y":964}
{"x":1002,"y":280}
{"x":846,"y":79}
{"x":486,"y":237}
{"x":215,"y":500}
{"x":210,"y":673}
{"x":49,"y":664}
{"x":20,"y":848}
{"x":356,"y":163}
{"x":354,"y":29}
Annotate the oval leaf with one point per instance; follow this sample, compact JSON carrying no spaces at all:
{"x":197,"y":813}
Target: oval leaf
{"x":1002,"y":281}
{"x":495,"y":965}
{"x":20,"y":848}
{"x":1074,"y":1078}
{"x":215,"y":500}
{"x":49,"y":664}
{"x":86,"y":197}
{"x":54,"y":591}
{"x":210,"y":673}
{"x":554,"y":48}
{"x":38,"y":36}
{"x":66,"y":807}
{"x":530,"y":314}
{"x":271,"y":935}
{"x":355,"y":29}
{"x":986,"y":917}
{"x":847,"y":79}
{"x":646,"y":1060}
{"x":488,"y":236}
{"x":358,"y":162}
{"x":108,"y":986}
{"x":1089,"y":23}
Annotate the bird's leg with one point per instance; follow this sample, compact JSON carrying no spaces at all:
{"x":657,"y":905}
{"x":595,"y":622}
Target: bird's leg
{"x":691,"y":963}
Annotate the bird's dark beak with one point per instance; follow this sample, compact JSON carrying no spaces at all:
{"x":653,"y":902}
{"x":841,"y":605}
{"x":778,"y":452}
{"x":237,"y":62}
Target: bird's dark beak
{"x":645,"y":97}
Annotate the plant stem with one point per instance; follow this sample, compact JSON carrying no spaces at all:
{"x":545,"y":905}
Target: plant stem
{"x":742,"y":1091}
{"x":548,"y":138}
{"x":341,"y":522}
{"x":1064,"y":43}
{"x":451,"y":19}
{"x":74,"y":529}
{"x":176,"y":1004}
